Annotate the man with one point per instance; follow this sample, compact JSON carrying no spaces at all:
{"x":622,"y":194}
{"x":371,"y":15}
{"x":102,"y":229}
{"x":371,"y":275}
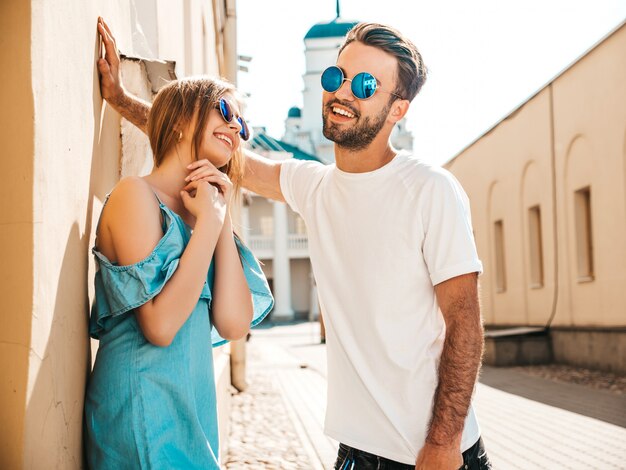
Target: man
{"x":394,"y":258}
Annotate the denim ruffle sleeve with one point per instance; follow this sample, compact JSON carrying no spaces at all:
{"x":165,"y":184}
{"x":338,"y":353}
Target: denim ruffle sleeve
{"x":120,"y":289}
{"x":262,"y":299}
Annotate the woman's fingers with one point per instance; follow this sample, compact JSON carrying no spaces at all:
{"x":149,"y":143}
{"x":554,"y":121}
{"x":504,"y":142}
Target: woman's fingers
{"x":186,"y":198}
{"x":208,"y":189}
{"x":197,"y":164}
{"x":214,"y":180}
{"x":203,"y":172}
{"x":200,"y":163}
{"x":192,"y":186}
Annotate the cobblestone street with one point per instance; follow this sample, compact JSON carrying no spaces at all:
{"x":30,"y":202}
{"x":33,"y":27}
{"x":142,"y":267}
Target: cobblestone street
{"x":262,"y":435}
{"x":526,"y":422}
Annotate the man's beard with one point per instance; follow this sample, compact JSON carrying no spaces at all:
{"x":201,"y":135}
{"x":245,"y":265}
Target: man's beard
{"x":357,"y":137}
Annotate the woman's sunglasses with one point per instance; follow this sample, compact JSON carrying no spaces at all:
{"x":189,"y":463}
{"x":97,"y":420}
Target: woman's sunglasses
{"x":228,"y":115}
{"x":363,"y":85}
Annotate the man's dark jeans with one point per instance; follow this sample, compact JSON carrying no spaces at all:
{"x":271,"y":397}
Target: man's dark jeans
{"x":348,"y":458}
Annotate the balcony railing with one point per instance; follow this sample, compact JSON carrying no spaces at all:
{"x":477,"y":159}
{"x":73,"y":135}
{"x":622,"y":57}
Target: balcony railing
{"x":263,"y":246}
{"x":260,"y":243}
{"x":298,"y":242}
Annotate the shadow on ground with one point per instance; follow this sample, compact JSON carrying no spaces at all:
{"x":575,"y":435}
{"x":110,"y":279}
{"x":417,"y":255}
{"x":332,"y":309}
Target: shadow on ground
{"x":598,"y":404}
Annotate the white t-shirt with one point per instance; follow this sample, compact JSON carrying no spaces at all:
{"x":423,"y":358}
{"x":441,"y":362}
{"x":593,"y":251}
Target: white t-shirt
{"x":379,"y":242}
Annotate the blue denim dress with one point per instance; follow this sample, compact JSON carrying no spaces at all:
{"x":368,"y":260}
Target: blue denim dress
{"x":147,"y":406}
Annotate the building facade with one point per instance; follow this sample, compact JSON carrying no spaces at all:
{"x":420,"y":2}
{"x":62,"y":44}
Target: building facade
{"x":277,"y":236}
{"x":63,"y":154}
{"x":547,"y":186}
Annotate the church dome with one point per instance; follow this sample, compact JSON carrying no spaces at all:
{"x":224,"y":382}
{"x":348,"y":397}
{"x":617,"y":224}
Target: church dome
{"x":294,"y":112}
{"x":337,"y":28}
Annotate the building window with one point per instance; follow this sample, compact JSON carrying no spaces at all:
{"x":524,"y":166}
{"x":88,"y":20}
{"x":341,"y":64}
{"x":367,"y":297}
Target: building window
{"x":536,"y":248}
{"x":500,"y":264}
{"x":584,"y":240}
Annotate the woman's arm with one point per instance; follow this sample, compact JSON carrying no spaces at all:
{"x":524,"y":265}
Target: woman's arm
{"x":134,"y":225}
{"x":231,"y":308}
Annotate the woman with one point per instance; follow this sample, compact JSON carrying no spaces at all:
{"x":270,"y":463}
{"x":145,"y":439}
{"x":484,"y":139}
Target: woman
{"x":170,"y":271}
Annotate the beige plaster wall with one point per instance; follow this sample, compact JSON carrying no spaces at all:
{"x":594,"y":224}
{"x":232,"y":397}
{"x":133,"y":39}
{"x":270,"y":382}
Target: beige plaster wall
{"x":76,"y":161}
{"x":504,"y":174}
{"x":171,"y":35}
{"x":16,"y":225}
{"x":590,"y":120}
{"x":62,"y":155}
{"x":569,"y":135}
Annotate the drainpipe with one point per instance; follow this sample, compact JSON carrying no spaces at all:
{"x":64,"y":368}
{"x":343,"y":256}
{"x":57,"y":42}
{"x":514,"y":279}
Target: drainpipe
{"x":555,"y":227}
{"x":237,"y":348}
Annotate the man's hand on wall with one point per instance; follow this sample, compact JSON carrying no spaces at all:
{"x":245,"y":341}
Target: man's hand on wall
{"x":109,"y":67}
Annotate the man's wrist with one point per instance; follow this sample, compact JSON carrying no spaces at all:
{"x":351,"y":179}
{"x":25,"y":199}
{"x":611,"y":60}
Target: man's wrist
{"x":443,"y":441}
{"x":119,"y":100}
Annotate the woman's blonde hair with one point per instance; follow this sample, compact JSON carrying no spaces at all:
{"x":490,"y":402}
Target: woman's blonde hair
{"x":174,"y":108}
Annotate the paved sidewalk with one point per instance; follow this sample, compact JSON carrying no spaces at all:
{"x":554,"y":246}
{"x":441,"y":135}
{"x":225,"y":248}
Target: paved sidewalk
{"x":266,"y":427}
{"x":262,"y":431}
{"x":278,"y":422}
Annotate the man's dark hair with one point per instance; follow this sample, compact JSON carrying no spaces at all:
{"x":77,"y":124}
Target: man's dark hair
{"x":411,"y":71}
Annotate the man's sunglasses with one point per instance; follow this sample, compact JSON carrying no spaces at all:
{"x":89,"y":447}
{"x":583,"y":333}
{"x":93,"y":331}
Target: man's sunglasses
{"x":363,"y":85}
{"x":228,"y":115}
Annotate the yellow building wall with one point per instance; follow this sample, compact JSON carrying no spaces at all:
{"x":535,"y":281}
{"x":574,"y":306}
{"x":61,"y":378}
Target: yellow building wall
{"x":590,"y":123}
{"x":504,"y":174}
{"x":16,"y":225}
{"x":570,"y":135}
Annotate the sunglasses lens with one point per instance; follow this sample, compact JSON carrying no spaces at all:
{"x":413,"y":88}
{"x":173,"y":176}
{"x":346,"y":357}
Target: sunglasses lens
{"x":364,"y":85}
{"x":245,"y":130}
{"x":226,"y":110}
{"x":332,"y":78}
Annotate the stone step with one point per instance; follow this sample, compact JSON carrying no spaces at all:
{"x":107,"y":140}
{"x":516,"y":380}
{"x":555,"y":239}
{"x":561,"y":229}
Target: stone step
{"x":517,"y":347}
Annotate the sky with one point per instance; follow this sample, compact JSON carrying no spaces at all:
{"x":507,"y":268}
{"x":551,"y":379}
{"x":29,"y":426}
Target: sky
{"x":485,"y":57}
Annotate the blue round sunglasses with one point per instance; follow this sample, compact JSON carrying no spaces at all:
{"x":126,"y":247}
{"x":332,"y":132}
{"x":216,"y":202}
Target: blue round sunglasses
{"x":363,"y":85}
{"x":226,"y":110}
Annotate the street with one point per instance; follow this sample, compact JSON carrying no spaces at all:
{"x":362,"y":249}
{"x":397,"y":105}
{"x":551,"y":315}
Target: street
{"x":278,"y":422}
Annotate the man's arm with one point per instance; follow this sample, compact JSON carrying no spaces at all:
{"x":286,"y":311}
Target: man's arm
{"x":458,"y":369}
{"x":262,"y":176}
{"x":130,"y":107}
